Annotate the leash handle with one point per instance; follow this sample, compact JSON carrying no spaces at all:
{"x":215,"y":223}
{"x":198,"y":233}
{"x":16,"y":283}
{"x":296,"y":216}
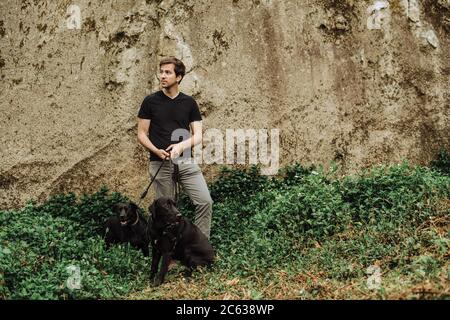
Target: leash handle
{"x":176,"y":181}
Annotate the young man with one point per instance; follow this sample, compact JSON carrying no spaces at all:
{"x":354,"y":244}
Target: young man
{"x":163,"y":117}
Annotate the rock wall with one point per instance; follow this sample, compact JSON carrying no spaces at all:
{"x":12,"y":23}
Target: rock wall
{"x":355,"y":82}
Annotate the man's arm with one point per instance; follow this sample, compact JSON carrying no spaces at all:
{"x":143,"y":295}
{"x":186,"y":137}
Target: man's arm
{"x":143,"y":129}
{"x":195,"y":139}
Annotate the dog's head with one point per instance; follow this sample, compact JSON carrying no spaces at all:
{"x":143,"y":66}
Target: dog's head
{"x":126,"y":212}
{"x":163,"y":212}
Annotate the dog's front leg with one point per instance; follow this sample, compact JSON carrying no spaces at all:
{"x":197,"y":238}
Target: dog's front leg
{"x":145,"y":250}
{"x":164,"y":267}
{"x":156,"y":256}
{"x":188,"y":272}
{"x":109,"y":238}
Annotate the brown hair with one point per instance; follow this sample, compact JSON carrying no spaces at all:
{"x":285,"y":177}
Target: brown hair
{"x":180,"y":69}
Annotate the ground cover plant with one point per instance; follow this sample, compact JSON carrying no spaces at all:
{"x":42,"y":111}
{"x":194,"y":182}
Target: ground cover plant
{"x":308,"y":233}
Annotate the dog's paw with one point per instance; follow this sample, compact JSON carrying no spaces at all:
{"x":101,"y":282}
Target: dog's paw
{"x":187,"y":273}
{"x":157,"y":282}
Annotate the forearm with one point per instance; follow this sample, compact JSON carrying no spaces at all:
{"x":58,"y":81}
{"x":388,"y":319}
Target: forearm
{"x":145,"y":141}
{"x":192,"y":141}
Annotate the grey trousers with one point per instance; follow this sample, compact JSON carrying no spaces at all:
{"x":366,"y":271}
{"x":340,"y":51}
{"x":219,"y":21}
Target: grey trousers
{"x":193,"y":183}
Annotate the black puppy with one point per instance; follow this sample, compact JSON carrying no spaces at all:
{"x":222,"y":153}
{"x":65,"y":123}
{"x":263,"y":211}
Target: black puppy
{"x":175,"y":237}
{"x":127,"y":226}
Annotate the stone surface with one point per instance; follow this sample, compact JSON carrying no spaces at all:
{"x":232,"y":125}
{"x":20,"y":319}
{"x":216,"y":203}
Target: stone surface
{"x":343,"y":81}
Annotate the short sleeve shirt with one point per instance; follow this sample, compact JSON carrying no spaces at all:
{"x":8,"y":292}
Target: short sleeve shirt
{"x":166,"y":115}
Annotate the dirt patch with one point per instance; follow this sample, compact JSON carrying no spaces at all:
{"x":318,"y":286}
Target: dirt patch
{"x":335,"y":89}
{"x":438,"y":13}
{"x":340,"y":17}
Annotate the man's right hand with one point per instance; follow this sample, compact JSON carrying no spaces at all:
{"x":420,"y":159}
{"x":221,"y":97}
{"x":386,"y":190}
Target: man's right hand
{"x":163,"y":154}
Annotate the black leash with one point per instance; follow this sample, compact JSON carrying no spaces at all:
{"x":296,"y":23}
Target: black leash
{"x":153,"y":179}
{"x":176,"y":181}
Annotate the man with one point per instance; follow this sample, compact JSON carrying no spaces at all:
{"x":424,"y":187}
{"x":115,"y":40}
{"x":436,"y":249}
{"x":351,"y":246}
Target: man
{"x":162,"y":117}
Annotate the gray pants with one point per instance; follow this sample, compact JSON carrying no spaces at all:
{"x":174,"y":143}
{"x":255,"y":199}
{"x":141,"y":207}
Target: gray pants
{"x":193,"y":183}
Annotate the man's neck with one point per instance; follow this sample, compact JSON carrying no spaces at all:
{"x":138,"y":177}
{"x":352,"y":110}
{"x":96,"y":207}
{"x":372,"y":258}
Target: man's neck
{"x":171,"y":92}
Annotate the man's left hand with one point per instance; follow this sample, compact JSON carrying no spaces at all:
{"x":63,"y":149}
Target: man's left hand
{"x":175,"y":150}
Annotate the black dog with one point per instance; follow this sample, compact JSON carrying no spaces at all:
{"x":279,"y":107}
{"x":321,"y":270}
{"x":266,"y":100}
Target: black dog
{"x":175,"y":237}
{"x":127,"y":226}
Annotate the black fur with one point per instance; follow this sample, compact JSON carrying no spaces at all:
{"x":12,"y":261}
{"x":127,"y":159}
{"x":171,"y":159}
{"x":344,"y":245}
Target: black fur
{"x":128,"y":226}
{"x":175,"y":237}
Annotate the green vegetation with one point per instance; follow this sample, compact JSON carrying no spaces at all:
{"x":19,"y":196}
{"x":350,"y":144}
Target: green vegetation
{"x":40,"y":243}
{"x":306,"y":234}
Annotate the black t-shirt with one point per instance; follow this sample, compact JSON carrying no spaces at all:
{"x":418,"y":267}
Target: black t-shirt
{"x":166,"y":115}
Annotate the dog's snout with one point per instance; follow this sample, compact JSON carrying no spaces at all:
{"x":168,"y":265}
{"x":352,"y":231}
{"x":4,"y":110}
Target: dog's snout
{"x":173,"y":207}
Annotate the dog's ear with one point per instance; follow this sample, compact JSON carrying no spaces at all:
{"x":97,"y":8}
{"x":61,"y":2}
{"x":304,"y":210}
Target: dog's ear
{"x":152,"y":209}
{"x":115,"y":207}
{"x":133,"y":207}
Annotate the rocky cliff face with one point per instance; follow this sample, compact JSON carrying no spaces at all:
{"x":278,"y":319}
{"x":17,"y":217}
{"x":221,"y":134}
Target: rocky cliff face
{"x":356,"y":82}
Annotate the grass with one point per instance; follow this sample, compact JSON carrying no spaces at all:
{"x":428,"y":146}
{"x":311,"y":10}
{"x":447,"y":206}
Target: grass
{"x":306,"y":234}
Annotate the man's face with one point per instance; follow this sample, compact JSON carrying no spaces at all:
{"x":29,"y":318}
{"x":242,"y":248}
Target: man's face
{"x":167,"y":76}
